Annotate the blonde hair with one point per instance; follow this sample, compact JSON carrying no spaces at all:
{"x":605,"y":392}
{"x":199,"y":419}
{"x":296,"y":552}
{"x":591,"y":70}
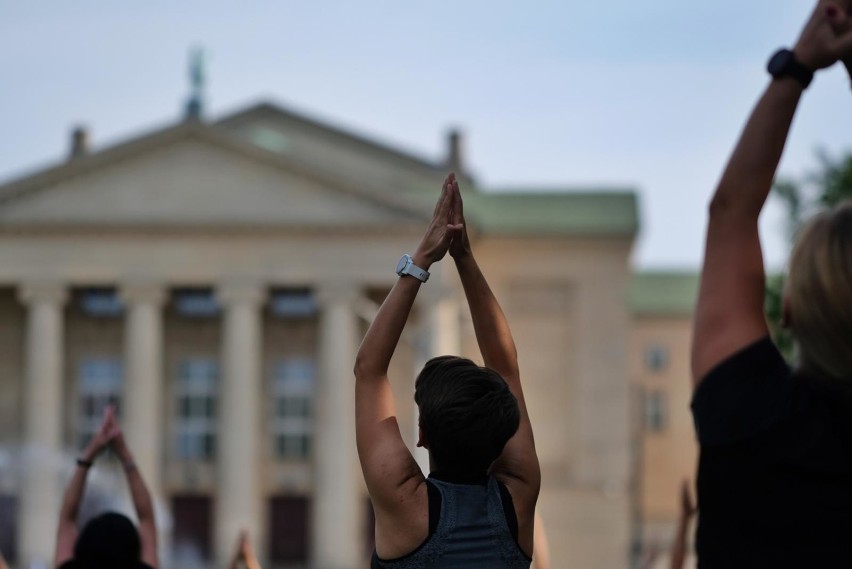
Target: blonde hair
{"x":820,"y":294}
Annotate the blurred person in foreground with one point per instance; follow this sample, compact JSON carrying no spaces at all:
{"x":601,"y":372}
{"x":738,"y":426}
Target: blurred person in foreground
{"x":244,"y":553}
{"x":775,"y":473}
{"x":477,"y":507}
{"x":540,"y":545}
{"x":687,"y":511}
{"x":110,"y":540}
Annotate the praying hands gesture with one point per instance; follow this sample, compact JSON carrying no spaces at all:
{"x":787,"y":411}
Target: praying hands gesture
{"x":109,"y":434}
{"x":827,"y":37}
{"x":105,"y":436}
{"x":446,"y":229}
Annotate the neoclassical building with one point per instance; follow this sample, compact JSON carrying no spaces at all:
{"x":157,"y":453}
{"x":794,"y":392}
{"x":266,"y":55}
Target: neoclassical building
{"x":214,"y":278}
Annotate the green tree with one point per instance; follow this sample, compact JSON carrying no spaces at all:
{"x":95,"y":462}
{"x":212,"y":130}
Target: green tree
{"x":823,"y":188}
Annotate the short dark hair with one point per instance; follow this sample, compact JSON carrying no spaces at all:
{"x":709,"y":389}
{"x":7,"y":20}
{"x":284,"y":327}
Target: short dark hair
{"x":109,"y":540}
{"x":467,"y":413}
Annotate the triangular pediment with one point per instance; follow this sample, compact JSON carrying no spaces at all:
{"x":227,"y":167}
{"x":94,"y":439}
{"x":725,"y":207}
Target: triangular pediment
{"x":328,"y":147}
{"x":194,"y":175}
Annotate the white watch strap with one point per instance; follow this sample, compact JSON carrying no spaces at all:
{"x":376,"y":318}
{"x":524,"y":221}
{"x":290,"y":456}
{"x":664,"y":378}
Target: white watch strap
{"x":416,"y":272}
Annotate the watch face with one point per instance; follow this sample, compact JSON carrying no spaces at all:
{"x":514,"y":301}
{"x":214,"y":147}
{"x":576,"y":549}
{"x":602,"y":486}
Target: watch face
{"x":403,"y":262}
{"x":779,"y":62}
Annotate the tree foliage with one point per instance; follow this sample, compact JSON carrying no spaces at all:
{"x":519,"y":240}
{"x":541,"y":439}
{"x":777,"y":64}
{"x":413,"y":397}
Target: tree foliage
{"x":827,"y":185}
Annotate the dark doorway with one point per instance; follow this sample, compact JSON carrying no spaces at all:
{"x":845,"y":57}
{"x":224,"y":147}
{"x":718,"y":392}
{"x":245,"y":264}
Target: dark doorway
{"x":192,"y":516}
{"x":289,"y":529}
{"x":8,"y":527}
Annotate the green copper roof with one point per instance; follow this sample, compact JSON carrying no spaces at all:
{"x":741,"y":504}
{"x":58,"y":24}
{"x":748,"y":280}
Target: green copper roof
{"x":663,"y":293}
{"x":603,"y":213}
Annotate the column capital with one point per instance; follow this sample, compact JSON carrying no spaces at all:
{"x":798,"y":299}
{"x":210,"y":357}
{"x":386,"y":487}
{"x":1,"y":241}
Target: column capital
{"x":142,"y":292}
{"x":44,"y":291}
{"x":337,"y":292}
{"x":241,"y":292}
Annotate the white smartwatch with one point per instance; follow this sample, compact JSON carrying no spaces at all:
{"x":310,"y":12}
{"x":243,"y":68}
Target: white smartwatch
{"x":406,"y":266}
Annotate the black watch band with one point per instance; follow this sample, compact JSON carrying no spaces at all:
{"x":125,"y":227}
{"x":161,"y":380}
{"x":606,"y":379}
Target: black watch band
{"x":785,"y":64}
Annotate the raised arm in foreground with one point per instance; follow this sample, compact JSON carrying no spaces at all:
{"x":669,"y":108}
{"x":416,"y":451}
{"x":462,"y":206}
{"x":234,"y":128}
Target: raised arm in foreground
{"x":244,"y":553}
{"x":681,"y":538}
{"x":518,"y":466}
{"x":729,"y":315}
{"x":66,"y":535}
{"x":142,"y":502}
{"x":393,"y":478}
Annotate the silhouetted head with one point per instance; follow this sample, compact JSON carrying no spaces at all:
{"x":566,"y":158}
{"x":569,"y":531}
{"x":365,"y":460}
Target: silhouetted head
{"x":818,"y":297}
{"x":467,"y":414}
{"x":108,"y":541}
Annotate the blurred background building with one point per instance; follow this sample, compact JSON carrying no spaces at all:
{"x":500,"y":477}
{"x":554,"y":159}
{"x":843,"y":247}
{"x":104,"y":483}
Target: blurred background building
{"x":213,"y":278}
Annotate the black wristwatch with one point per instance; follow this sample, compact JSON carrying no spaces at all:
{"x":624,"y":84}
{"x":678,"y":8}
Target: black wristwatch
{"x":785,"y":64}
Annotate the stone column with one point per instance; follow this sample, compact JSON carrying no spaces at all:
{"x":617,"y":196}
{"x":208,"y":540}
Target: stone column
{"x":142,"y":407}
{"x":239,"y":435}
{"x":338,"y":515}
{"x":43,"y":412}
{"x":439,"y":335}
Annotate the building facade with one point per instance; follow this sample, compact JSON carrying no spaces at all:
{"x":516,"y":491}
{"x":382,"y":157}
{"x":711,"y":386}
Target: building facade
{"x":213,"y":279}
{"x":662,"y":304}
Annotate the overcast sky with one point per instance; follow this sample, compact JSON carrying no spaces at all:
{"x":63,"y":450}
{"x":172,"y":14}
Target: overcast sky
{"x":649,"y":95}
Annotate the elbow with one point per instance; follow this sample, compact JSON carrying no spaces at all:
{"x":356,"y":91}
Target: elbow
{"x":366,"y":368}
{"x":361,"y":367}
{"x":718,"y":206}
{"x":724,"y":206}
{"x":721,"y":206}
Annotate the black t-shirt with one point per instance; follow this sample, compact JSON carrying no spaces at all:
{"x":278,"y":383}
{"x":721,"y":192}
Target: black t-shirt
{"x":72,"y":564}
{"x":775,"y":473}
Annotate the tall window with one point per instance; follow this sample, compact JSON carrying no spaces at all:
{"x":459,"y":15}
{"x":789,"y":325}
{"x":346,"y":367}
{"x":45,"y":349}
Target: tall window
{"x":656,"y":411}
{"x":293,"y":390}
{"x":656,"y":358}
{"x":101,"y":302}
{"x":99,"y":385}
{"x":197,"y":382}
{"x":196,"y":303}
{"x":294,"y":303}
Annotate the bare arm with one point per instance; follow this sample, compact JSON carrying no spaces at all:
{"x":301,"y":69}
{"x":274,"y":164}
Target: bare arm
{"x":519,"y":460}
{"x":142,"y":502}
{"x":66,"y":535}
{"x":393,"y":477}
{"x":244,"y":554}
{"x":681,"y":538}
{"x":729,"y":314}
{"x":541,"y":559}
{"x":517,"y":466}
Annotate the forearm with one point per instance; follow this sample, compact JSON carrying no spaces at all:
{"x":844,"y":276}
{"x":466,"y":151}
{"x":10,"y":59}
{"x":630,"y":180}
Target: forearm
{"x":679,"y":548}
{"x":748,"y":178}
{"x":251,"y":561}
{"x":380,"y":342}
{"x":489,"y":323}
{"x":76,"y":487}
{"x":142,"y":502}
